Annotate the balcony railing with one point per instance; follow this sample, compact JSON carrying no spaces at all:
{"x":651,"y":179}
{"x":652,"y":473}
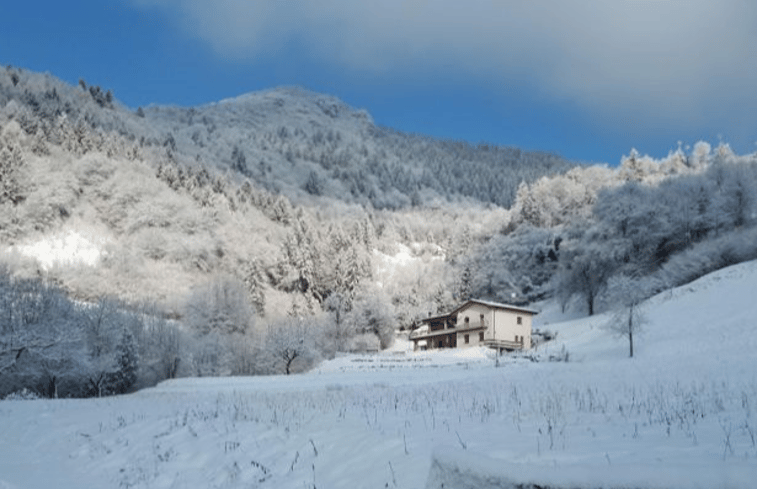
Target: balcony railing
{"x":504,"y":344}
{"x":472,"y":325}
{"x":459,"y":328}
{"x":418,"y":332}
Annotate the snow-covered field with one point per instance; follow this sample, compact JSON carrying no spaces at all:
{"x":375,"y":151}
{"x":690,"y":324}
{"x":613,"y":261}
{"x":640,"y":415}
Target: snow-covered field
{"x":681,"y":413}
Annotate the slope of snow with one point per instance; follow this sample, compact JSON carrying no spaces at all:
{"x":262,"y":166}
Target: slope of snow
{"x":681,"y":413}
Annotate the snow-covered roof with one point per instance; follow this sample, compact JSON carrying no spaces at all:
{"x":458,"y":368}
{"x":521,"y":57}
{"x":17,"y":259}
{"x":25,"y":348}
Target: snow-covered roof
{"x":496,"y":305}
{"x":493,"y":305}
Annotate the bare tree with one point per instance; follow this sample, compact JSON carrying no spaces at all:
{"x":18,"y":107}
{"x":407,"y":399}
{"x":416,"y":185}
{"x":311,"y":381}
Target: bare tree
{"x":288,"y":341}
{"x":629,"y":318}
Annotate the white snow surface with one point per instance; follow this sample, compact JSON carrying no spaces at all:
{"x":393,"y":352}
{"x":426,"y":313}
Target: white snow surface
{"x":71,"y":247}
{"x":407,"y":261}
{"x":681,"y":413}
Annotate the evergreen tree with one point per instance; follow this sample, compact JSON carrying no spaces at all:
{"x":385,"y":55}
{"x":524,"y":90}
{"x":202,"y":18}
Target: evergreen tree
{"x":239,"y":161}
{"x":465,"y":284}
{"x":11,"y":162}
{"x":254,"y":281}
{"x":127,"y":364}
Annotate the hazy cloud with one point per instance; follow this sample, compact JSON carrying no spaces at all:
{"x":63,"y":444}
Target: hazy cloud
{"x":674,"y":59}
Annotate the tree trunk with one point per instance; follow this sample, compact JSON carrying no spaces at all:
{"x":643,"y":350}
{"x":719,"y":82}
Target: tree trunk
{"x":630,"y":332}
{"x":289,"y":361}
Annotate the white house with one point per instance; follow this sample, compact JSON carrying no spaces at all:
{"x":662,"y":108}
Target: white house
{"x":476,"y":323}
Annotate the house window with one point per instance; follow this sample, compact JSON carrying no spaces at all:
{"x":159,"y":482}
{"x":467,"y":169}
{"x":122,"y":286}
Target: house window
{"x":481,"y":336}
{"x":467,"y":339}
{"x":519,"y":320}
{"x":482,"y":319}
{"x":441,"y":344}
{"x":467,"y":320}
{"x":516,"y":338}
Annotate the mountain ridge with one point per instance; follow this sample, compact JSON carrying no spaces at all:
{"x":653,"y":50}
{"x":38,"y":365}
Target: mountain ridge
{"x":315,"y":144}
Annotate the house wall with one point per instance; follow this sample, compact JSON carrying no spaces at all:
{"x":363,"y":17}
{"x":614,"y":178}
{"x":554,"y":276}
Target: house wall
{"x":506,"y":326}
{"x":501,"y":324}
{"x":473,"y":312}
{"x":447,"y":341}
{"x":474,"y":339}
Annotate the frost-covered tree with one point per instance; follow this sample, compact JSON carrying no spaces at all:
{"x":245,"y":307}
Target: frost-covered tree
{"x":239,"y":161}
{"x":520,"y":263}
{"x":11,"y":178}
{"x":127,"y":363}
{"x":210,"y":355}
{"x":220,"y":306}
{"x":585,"y":272}
{"x":313,"y":185}
{"x":339,"y":329}
{"x":37,"y":325}
{"x":104,"y":328}
{"x":373,"y":315}
{"x":465,"y":284}
{"x":560,"y":199}
{"x":735,"y":196}
{"x":162,"y":347}
{"x":254,"y":281}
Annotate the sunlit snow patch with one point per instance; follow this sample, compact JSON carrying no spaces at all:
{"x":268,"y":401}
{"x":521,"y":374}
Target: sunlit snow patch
{"x":71,"y":248}
{"x":406,"y":261}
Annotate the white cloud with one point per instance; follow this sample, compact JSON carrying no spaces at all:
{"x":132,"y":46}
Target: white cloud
{"x":674,"y":59}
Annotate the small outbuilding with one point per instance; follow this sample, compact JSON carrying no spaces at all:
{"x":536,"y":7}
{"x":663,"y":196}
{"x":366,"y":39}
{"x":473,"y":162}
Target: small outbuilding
{"x":503,"y":327}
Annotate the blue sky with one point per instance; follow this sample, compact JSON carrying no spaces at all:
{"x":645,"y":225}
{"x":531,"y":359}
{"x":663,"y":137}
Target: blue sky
{"x":587,"y":79}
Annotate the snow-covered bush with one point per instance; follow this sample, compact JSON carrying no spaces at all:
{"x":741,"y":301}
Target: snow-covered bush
{"x":22,"y":395}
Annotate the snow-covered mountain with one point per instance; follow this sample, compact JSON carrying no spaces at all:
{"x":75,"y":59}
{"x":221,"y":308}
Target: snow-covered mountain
{"x":310,"y":147}
{"x":680,"y":414}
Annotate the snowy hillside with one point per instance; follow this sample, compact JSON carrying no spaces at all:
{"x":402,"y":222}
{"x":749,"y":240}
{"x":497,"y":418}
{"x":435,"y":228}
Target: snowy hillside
{"x":681,"y":413}
{"x":310,"y":147}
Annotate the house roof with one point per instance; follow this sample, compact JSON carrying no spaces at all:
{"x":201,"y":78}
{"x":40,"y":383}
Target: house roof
{"x":494,"y":305}
{"x":435,"y":318}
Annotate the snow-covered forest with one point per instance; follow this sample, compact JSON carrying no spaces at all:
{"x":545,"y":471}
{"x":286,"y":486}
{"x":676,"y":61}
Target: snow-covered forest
{"x":266,"y":233}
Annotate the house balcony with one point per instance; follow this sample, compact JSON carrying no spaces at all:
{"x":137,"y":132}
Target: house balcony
{"x":425,"y":332}
{"x":431,"y":334}
{"x":416,"y":333}
{"x":504,"y":345}
{"x":472,"y":326}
